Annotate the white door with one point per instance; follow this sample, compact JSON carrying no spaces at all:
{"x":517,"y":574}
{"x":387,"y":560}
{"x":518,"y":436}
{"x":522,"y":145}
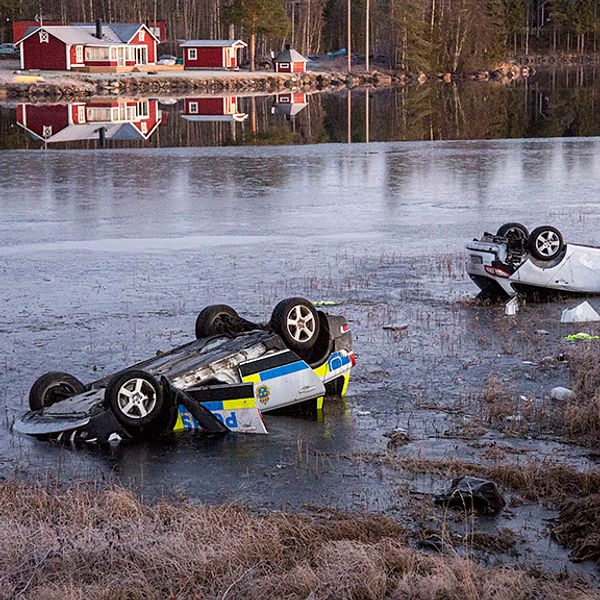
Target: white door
{"x":141,"y":55}
{"x":281,"y":379}
{"x":79,"y":54}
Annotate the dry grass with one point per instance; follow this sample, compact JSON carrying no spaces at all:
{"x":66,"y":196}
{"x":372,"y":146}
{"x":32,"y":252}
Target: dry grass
{"x":583,"y":413}
{"x":534,"y":480}
{"x":578,"y":527}
{"x":82,"y":542}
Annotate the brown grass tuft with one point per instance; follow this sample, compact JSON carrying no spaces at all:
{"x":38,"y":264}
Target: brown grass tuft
{"x":578,"y":527}
{"x":583,"y":413}
{"x":81,"y":542}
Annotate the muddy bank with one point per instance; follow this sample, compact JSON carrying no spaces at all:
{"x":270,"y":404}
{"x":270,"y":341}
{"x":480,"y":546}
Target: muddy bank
{"x":83,"y":541}
{"x":83,"y":86}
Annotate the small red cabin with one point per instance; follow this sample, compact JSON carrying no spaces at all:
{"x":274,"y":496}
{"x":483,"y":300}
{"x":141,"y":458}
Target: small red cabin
{"x":289,"y":61}
{"x":211,"y":54}
{"x":88,"y":47}
{"x":213,"y":109}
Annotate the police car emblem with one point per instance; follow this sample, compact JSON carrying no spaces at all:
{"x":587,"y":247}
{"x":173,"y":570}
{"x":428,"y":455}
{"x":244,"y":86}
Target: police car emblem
{"x":263,"y":394}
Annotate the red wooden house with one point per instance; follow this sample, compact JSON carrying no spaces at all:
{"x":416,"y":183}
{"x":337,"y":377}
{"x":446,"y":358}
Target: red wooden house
{"x":289,"y":61}
{"x":118,"y":119}
{"x":211,"y":54}
{"x":117,"y":46}
{"x":213,"y":109}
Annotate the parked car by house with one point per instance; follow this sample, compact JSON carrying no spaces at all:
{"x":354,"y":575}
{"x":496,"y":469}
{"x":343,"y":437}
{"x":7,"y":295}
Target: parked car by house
{"x":8,"y":50}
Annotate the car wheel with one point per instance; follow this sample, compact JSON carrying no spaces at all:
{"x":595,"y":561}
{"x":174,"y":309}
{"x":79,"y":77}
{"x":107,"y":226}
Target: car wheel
{"x":215,"y":319}
{"x":513,"y":231}
{"x":53,"y":387}
{"x":296,"y":320}
{"x":545,"y":243}
{"x":135,"y":397}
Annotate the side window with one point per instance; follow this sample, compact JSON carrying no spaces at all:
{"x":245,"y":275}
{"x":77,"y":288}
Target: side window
{"x":193,"y":107}
{"x":192,"y":54}
{"x":142,"y":35}
{"x":284,"y":65}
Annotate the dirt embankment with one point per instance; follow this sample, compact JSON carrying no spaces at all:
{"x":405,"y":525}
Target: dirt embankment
{"x":82,"y":542}
{"x":81,"y":86}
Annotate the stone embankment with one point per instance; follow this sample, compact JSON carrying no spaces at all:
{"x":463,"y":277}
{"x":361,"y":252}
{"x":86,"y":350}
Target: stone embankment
{"x":77,"y":86}
{"x":163,"y":84}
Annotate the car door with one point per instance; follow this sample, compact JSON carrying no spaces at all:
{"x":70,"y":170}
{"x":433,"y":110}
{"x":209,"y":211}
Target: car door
{"x":281,"y":379}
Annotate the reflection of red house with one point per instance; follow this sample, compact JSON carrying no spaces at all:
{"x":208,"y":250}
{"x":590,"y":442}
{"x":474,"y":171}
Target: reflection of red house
{"x":211,"y":54}
{"x":120,"y":119}
{"x":88,"y":47}
{"x":289,"y":61}
{"x":213,"y":109}
{"x":290,"y":104}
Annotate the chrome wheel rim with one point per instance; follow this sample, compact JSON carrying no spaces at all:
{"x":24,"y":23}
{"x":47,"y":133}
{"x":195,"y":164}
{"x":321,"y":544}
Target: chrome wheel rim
{"x":136,"y":398}
{"x":301,"y":323}
{"x":547,"y":243}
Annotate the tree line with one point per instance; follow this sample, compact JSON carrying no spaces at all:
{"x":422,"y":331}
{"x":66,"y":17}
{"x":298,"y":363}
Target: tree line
{"x":413,"y":35}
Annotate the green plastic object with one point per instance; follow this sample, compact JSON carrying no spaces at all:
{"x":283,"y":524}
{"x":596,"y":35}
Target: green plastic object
{"x":325,"y":303}
{"x":582,"y":337}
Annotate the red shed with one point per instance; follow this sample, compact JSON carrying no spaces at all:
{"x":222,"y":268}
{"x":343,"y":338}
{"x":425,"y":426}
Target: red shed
{"x":211,"y":54}
{"x":290,"y":61}
{"x":84,"y":46}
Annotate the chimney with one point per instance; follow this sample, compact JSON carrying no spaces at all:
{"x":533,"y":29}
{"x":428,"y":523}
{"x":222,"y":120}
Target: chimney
{"x":99,"y":29}
{"x":288,"y":47}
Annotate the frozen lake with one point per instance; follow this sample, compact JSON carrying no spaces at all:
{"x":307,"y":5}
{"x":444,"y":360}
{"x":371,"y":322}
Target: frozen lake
{"x":107,"y":256}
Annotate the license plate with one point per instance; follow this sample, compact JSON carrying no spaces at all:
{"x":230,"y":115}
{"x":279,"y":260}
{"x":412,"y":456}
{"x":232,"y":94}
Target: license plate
{"x":476,"y":259}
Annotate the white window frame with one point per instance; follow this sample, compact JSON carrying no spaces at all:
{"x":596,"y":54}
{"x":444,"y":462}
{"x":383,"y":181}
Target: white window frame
{"x":81,"y":114}
{"x":78,"y":54}
{"x":192,"y":53}
{"x":193,"y":108}
{"x":44,"y":37}
{"x":142,"y":35}
{"x":142,"y":109}
{"x":284,"y":65}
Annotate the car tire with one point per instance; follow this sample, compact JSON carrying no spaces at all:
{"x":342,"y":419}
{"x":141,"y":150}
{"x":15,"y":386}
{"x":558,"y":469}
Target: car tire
{"x":135,"y":398}
{"x":545,"y":243}
{"x":52,"y":387}
{"x":513,"y":231}
{"x":297,"y":321}
{"x":214,"y":320}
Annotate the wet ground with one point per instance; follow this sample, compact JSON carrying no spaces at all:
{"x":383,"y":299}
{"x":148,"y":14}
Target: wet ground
{"x":107,"y":256}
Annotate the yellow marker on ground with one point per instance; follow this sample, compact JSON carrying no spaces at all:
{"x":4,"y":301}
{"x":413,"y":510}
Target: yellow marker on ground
{"x":28,"y":78}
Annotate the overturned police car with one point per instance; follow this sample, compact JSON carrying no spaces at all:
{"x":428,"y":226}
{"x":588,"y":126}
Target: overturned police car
{"x":222,"y":381}
{"x":513,"y":261}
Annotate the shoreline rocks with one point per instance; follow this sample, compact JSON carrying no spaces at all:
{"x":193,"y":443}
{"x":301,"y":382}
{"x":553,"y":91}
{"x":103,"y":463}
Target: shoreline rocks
{"x":86,"y":86}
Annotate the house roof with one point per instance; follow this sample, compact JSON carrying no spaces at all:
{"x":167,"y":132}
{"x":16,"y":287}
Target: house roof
{"x":84,"y":33}
{"x":290,"y":55}
{"x":214,"y":43}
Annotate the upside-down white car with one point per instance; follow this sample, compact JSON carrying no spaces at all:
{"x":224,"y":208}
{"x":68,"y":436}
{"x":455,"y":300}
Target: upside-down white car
{"x":515,"y":261}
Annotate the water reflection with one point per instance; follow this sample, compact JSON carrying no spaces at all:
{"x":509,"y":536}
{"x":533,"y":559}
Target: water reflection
{"x":213,"y":109}
{"x":99,"y":120}
{"x":553,"y":103}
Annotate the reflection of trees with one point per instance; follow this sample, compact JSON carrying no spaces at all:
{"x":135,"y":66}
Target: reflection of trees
{"x":559,"y":103}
